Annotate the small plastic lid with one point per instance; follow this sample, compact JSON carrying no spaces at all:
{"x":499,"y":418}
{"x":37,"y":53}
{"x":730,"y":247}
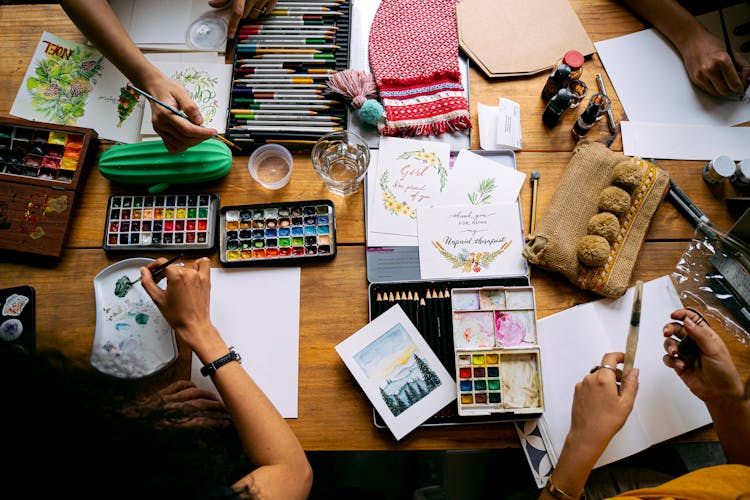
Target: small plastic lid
{"x":573,"y":58}
{"x":723,"y":165}
{"x":207,"y":33}
{"x":271,"y":166}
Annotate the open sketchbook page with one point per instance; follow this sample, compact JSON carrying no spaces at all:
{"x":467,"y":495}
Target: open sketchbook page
{"x":573,"y":341}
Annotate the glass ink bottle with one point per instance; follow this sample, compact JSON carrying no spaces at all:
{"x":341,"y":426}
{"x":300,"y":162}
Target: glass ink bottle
{"x":598,"y":105}
{"x":556,"y":107}
{"x":741,"y":177}
{"x":569,"y":67}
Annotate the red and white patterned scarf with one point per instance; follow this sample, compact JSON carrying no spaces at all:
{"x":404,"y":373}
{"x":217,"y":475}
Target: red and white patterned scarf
{"x":413,"y":50}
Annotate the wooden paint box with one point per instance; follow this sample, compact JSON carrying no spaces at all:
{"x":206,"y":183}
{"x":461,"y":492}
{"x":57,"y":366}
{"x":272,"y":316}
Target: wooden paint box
{"x":42,"y":170}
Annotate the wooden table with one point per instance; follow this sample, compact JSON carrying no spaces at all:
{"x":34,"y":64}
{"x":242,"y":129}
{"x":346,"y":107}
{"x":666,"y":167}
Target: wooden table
{"x":334,"y":414}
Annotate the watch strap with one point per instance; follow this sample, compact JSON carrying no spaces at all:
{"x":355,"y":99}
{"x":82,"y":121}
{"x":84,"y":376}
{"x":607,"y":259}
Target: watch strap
{"x":210,"y":368}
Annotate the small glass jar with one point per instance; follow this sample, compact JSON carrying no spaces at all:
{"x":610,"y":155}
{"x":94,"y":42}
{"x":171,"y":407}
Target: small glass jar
{"x":579,"y":89}
{"x":569,"y":67}
{"x":719,"y":169}
{"x":741,"y":177}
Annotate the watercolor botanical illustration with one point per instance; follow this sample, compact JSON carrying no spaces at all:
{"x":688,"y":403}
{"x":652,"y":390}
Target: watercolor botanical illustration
{"x":391,"y":204}
{"x":62,"y":82}
{"x":201,"y":86}
{"x":468,"y":261}
{"x":483,"y":194}
{"x":396,"y":366}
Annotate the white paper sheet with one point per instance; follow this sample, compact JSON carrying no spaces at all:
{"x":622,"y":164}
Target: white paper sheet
{"x":257,"y":311}
{"x":574,"y":340}
{"x":651,"y":81}
{"x":164,"y":21}
{"x":500,"y":126}
{"x":684,"y":142}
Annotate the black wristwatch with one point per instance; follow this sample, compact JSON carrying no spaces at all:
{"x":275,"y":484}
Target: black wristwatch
{"x":210,"y":368}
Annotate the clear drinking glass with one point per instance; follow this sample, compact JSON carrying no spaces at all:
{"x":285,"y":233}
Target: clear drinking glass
{"x":341,"y":159}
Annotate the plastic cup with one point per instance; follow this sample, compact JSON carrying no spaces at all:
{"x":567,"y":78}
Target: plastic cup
{"x":341,"y":160}
{"x":271,"y":166}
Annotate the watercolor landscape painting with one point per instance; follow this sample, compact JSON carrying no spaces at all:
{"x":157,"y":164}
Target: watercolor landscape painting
{"x":400,"y":371}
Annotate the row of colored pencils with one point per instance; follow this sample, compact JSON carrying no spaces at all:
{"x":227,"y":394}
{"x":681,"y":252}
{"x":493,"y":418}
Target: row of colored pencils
{"x":282,"y":61}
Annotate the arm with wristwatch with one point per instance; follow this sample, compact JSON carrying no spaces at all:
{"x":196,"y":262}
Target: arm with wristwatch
{"x":601,"y":407}
{"x":283,"y":469}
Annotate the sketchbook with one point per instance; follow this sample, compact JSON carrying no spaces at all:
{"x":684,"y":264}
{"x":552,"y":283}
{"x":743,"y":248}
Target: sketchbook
{"x":574,"y":340}
{"x":74,"y":84}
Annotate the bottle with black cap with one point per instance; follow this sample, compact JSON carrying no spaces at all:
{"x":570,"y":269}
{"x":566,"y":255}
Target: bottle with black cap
{"x":568,"y":68}
{"x":556,"y":107}
{"x":587,"y":120}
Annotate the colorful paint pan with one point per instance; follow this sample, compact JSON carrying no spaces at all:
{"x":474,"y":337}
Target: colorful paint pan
{"x":496,"y":352}
{"x":38,"y":153}
{"x":166,"y":222}
{"x":276,"y":232}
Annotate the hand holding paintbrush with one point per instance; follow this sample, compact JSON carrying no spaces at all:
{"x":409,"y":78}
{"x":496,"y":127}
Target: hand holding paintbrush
{"x":169,"y":140}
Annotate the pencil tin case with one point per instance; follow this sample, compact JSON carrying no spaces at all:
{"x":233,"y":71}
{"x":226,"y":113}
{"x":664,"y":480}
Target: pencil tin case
{"x":149,"y":163}
{"x":162,"y":221}
{"x":292,"y":233}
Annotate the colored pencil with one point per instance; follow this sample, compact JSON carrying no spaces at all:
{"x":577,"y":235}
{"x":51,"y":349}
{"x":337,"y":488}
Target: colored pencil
{"x":268,"y":63}
{"x":376,"y":306}
{"x":281,"y":37}
{"x":319,"y":118}
{"x":176,"y":112}
{"x":282,"y":113}
{"x":286,"y":123}
{"x":450,"y":356}
{"x":423,"y":318}
{"x":295,"y":57}
{"x":265,"y":79}
{"x":296,"y":129}
{"x":430,"y":326}
{"x":254,"y":49}
{"x":253,"y":106}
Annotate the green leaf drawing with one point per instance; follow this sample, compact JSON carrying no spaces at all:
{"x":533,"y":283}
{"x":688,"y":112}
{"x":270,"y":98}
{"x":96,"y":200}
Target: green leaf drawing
{"x":483,"y":195}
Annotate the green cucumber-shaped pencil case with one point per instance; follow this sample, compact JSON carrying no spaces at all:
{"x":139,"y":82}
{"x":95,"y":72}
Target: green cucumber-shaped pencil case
{"x":149,"y":162}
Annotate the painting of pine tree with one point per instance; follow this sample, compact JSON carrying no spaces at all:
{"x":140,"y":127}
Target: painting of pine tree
{"x":393,"y":362}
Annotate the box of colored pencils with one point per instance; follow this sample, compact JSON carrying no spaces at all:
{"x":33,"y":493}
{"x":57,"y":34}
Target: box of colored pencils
{"x":497,"y":357}
{"x":429,"y":306}
{"x":271,"y":233}
{"x":42,"y":170}
{"x":164,"y":222}
{"x":281,"y":64}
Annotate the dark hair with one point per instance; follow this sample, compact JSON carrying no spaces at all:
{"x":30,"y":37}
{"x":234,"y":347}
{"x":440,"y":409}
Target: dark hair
{"x":72,"y":432}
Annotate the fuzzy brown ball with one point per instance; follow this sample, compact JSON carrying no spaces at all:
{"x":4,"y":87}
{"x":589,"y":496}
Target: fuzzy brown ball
{"x":627,"y":175}
{"x":604,"y":224}
{"x":614,"y":199}
{"x":593,"y":250}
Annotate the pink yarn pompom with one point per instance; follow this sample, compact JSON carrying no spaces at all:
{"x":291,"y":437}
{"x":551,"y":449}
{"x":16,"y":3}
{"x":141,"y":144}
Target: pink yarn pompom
{"x":354,"y":84}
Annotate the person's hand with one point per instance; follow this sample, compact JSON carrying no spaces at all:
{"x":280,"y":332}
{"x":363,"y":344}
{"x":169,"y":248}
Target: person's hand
{"x":185,"y":302}
{"x":600,"y":407}
{"x":182,"y":404}
{"x":709,"y":66}
{"x":177,"y":132}
{"x":712,"y":375}
{"x":243,"y":9}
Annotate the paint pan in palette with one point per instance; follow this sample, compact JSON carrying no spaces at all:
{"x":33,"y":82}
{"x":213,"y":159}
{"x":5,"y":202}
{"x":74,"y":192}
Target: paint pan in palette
{"x":290,"y":232}
{"x":497,"y":356}
{"x":164,"y":222}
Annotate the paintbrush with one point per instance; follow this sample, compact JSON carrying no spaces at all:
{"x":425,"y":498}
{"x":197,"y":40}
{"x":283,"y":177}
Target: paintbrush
{"x":124,"y":284}
{"x":156,"y":272}
{"x":635,"y":322}
{"x":177,"y":112}
{"x":535,"y":175}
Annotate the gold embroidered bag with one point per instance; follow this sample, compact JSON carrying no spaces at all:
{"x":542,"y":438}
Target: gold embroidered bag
{"x":554,"y":245}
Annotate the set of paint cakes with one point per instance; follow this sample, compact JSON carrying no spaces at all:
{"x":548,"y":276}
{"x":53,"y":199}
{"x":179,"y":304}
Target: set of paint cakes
{"x":166,"y":222}
{"x":42,"y":169}
{"x":277,"y":232}
{"x":498,"y":362}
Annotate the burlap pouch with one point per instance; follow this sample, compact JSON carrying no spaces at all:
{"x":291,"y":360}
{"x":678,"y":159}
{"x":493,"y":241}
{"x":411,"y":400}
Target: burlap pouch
{"x":554,"y":245}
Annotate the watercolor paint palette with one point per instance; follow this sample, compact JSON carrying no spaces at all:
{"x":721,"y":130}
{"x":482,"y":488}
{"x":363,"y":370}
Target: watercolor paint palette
{"x":428,"y":304}
{"x":132,"y":339}
{"x":291,"y":232}
{"x":42,"y":169}
{"x":17,"y":322}
{"x":164,"y":222}
{"x":497,"y":357}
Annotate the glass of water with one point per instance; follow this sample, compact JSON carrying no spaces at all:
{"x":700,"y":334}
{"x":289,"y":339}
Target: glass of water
{"x":341,"y":159}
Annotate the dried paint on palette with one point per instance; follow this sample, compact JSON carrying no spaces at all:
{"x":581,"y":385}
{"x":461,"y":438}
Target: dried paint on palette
{"x":179,"y":222}
{"x":40,"y":153}
{"x":252,"y":234}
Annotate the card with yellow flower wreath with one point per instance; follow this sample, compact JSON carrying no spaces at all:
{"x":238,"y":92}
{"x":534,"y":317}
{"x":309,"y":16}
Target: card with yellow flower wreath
{"x":470,"y":241}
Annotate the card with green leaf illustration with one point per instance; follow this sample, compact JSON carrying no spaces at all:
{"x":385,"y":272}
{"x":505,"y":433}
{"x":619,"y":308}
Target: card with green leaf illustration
{"x":208,"y":86}
{"x":73,"y":84}
{"x":476,"y":180}
{"x":470,"y":241}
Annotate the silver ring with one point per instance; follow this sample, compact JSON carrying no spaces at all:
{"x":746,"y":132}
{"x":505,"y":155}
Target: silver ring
{"x":260,"y":11}
{"x":598,"y":367}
